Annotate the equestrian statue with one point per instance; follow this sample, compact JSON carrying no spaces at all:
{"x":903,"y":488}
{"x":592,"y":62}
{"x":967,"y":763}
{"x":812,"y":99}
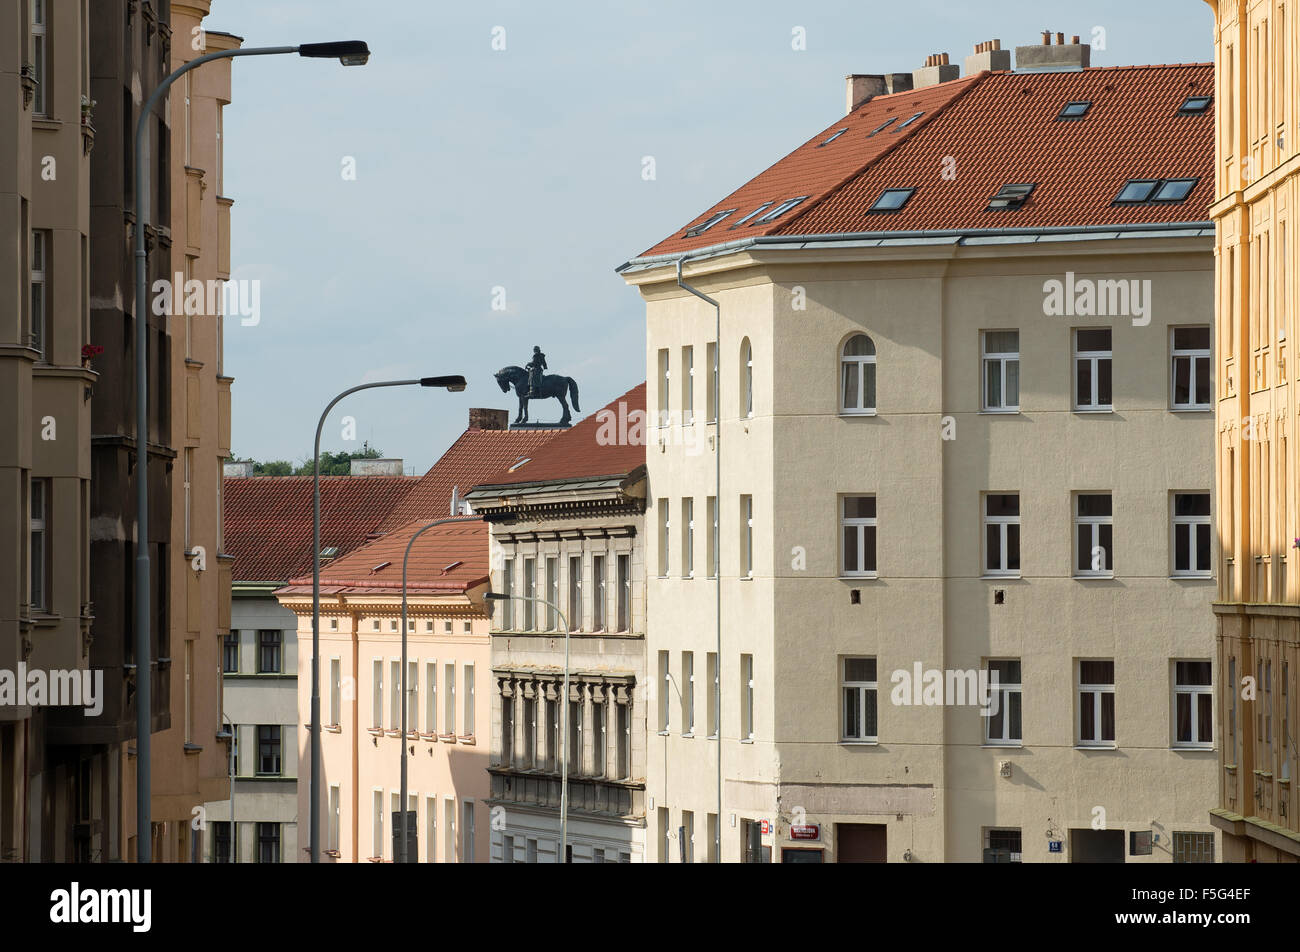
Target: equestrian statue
{"x":531,"y":384}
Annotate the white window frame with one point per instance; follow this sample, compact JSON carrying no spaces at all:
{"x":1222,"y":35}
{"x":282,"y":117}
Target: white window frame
{"x":1004,"y":690}
{"x":468,"y":724}
{"x":665,"y":681}
{"x":40,"y":292}
{"x":1002,"y":522}
{"x":712,"y":554}
{"x":747,"y":540}
{"x":377,"y":693}
{"x":688,"y":385}
{"x":431,"y":696}
{"x":413,"y":695}
{"x":1094,"y":359}
{"x":1092,"y":525}
{"x":747,"y":710}
{"x":860,"y":523}
{"x":38,"y":582}
{"x":599,"y":603}
{"x":1199,"y":694}
{"x":688,"y":693}
{"x":711,"y":355}
{"x":665,"y":388}
{"x":861,"y":691}
{"x":1190,"y":525}
{"x":40,"y":57}
{"x":1098,"y":692}
{"x":665,"y":535}
{"x":688,"y":537}
{"x":530,"y":592}
{"x":860,"y":362}
{"x":395,"y":695}
{"x":449,"y":698}
{"x":1002,"y":359}
{"x":1190,"y":354}
{"x":336,"y":691}
{"x":747,"y":378}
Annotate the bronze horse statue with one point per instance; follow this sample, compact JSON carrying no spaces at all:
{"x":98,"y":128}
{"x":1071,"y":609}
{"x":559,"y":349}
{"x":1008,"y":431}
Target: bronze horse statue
{"x":553,"y":385}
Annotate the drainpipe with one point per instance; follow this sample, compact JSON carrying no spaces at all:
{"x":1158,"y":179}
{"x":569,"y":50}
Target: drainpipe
{"x":717,"y":548}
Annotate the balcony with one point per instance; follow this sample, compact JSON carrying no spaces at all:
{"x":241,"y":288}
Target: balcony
{"x":592,"y":795}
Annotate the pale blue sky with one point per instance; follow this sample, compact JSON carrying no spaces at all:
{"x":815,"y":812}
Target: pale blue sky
{"x":522,"y":169}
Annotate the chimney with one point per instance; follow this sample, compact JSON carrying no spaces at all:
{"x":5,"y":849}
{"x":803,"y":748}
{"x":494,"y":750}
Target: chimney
{"x":1053,"y":58}
{"x":859,"y":87}
{"x":239,"y":469}
{"x":988,"y":55}
{"x":484,"y":418}
{"x":936,"y":70}
{"x":375,"y":467}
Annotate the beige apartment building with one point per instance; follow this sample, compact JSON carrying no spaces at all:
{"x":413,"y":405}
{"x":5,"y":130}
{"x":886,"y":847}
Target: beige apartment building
{"x":47,"y":137}
{"x":567,"y":529}
{"x":1257,"y":183}
{"x":963,"y":406}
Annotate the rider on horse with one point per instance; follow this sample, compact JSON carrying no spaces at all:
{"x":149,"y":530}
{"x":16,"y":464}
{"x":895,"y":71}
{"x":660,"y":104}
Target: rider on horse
{"x":535,"y":368}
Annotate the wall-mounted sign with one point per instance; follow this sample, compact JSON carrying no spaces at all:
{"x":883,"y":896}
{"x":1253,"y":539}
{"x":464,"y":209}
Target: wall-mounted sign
{"x":1054,"y":846}
{"x":765,"y":827}
{"x":806,"y":831}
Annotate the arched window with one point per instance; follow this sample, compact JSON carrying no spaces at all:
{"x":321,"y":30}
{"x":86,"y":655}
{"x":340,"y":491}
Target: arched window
{"x":746,"y":378}
{"x":858,"y":375}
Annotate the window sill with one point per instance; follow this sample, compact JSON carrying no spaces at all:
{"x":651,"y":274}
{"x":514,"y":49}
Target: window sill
{"x":1096,"y":747}
{"x":857,"y":413}
{"x":1009,"y":411}
{"x":663,"y":733}
{"x":1108,"y":577}
{"x":859,"y":578}
{"x":689,"y":734}
{"x":375,"y":731}
{"x":332,"y":729}
{"x":193,"y":749}
{"x":1190,"y":576}
{"x":1007,"y":746}
{"x":1094,"y":410}
{"x":1191,"y":747}
{"x":745,"y":578}
{"x":467,"y":739}
{"x":429,"y":737}
{"x":747,"y":740}
{"x":447,"y":738}
{"x":859,"y":743}
{"x":1191,"y":409}
{"x":1010,"y":577}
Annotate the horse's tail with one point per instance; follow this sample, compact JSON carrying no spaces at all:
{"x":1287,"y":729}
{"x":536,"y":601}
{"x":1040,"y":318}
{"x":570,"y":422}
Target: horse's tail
{"x":573,"y":393}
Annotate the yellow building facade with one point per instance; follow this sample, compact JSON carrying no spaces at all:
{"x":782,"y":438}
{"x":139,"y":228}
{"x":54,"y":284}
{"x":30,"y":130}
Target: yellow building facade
{"x":1257,"y":181}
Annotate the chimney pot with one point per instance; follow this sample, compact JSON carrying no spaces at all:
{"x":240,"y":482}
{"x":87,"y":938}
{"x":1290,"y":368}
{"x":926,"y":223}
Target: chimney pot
{"x":1075,"y":39}
{"x":485,"y":418}
{"x":1047,"y":38}
{"x":1060,"y":39}
{"x":997,"y":44}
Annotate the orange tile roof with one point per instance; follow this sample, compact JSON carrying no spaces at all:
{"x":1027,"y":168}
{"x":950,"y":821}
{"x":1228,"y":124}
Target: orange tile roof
{"x":268,"y":519}
{"x":587,"y":450}
{"x":476,"y":455}
{"x":997,"y":129}
{"x":447,"y":559}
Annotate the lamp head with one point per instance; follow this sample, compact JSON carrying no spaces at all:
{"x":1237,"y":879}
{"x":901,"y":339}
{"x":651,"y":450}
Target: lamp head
{"x":455,"y":383}
{"x":347,"y":52}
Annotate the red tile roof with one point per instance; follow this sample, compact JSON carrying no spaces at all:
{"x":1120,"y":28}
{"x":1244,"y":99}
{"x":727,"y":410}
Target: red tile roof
{"x":447,"y":559}
{"x":476,"y":455}
{"x":268,"y":519}
{"x":595,"y":446}
{"x":998,"y":129}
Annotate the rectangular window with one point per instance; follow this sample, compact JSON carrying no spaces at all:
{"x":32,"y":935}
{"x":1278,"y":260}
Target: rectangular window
{"x":664,"y":385}
{"x":575,"y":593}
{"x":1284,"y":772}
{"x":268,"y":750}
{"x":1092,"y":368}
{"x":688,"y":385}
{"x":37,"y":545}
{"x":598,"y":593}
{"x":665,"y":524}
{"x":1192,"y":534}
{"x":858,"y":534}
{"x":40,"y":58}
{"x":377,"y":825}
{"x":1002,"y":534}
{"x":1189,"y":378}
{"x":530,"y":732}
{"x":230,"y":653}
{"x":747,"y":697}
{"x":574,"y":740}
{"x":40,"y":250}
{"x":1193,"y":847}
{"x":431,"y":697}
{"x":665,"y":831}
{"x":665,"y":691}
{"x":746,"y":536}
{"x":858,"y":688}
{"x":530,"y":851}
{"x":688,"y":693}
{"x":623,"y":741}
{"x":1001,"y":359}
{"x":221,"y":841}
{"x":598,"y":740}
{"x":712,"y":399}
{"x":377,"y":694}
{"x":336,"y":692}
{"x":711,"y":831}
{"x":1002,"y":723}
{"x":270,"y":641}
{"x":507,"y":730}
{"x":268,"y":842}
{"x":507,"y":849}
{"x":688,"y":537}
{"x":413,"y":696}
{"x":1193,"y":704}
{"x":449,"y":830}
{"x":335,"y":816}
{"x":530,"y":593}
{"x":624,"y":567}
{"x":449,"y":698}
{"x":712,"y":554}
{"x":1093,"y":535}
{"x":507,"y":589}
{"x":711,"y":691}
{"x":1232,"y":689}
{"x":394,"y":695}
{"x":552,"y":591}
{"x":552,"y":735}
{"x":469,"y":700}
{"x":687,"y":834}
{"x":1096,"y":703}
{"x":1002,"y":846}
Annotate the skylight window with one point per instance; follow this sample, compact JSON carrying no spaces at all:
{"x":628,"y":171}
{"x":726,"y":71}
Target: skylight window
{"x":707,"y":223}
{"x":1142,"y":191}
{"x":780,"y":210}
{"x":882,"y":127}
{"x":891,"y":200}
{"x":1076,"y":109}
{"x":760,"y":208}
{"x":1195,"y":105}
{"x":834,"y":137}
{"x":909,"y":120}
{"x":1010,"y":197}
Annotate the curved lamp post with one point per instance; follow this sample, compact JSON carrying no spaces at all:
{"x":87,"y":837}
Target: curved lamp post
{"x":455,"y":384}
{"x":347,"y":52}
{"x":564,"y":715}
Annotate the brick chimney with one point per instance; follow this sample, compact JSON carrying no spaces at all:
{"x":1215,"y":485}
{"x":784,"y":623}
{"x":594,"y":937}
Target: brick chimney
{"x":1049,"y":57}
{"x":988,"y":55}
{"x":936,"y":70}
{"x":484,"y":418}
{"x":859,"y":87}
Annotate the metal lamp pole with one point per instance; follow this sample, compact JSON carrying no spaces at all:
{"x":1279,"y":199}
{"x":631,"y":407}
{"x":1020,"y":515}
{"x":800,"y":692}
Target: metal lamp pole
{"x":403,"y":852}
{"x":349,"y":53}
{"x":564,"y":715}
{"x":454,"y":384}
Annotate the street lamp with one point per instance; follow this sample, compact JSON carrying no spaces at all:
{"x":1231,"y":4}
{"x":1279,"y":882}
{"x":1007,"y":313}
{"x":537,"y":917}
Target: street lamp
{"x":455,"y":384}
{"x":564,"y":716}
{"x":349,"y":53}
{"x":403,"y":851}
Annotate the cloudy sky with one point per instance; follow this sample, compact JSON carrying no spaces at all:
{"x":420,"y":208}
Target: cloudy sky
{"x":486,"y":175}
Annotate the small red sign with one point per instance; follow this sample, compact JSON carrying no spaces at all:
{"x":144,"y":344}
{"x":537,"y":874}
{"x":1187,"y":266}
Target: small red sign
{"x":809,"y":831}
{"x":765,"y":827}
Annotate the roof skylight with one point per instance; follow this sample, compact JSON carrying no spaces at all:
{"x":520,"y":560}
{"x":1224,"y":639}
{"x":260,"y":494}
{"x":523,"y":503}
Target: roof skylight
{"x":1142,"y":191}
{"x":779,"y":210}
{"x":891,"y":200}
{"x":909,"y":120}
{"x":1195,"y":105}
{"x":1075,"y":109}
{"x":838,"y":133}
{"x":1010,"y":197}
{"x":880,"y":128}
{"x":707,"y":223}
{"x":760,"y":208}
